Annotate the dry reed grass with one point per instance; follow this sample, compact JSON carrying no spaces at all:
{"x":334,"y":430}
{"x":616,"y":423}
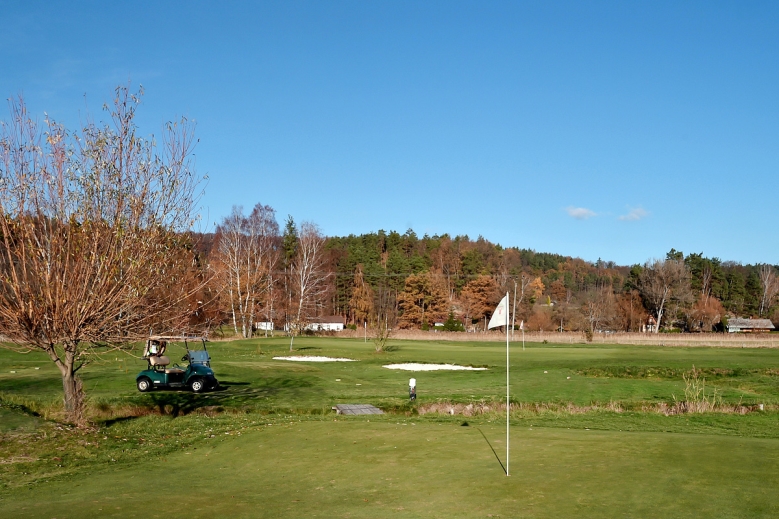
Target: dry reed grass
{"x":724,"y":340}
{"x":549,"y":408}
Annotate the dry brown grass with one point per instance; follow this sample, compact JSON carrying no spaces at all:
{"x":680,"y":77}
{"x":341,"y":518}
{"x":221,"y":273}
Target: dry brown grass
{"x":724,"y":340}
{"x":534,"y":409}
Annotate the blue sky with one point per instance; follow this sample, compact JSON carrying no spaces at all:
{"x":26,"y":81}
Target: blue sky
{"x":595,"y":129}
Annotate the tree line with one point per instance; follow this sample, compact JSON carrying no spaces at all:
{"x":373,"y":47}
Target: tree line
{"x":294,"y":275}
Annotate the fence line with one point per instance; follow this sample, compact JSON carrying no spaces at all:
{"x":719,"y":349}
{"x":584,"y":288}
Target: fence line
{"x":724,"y":340}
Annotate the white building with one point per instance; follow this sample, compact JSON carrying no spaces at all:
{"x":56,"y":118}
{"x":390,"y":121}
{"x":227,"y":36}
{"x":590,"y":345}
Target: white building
{"x":330,"y":323}
{"x":264,"y":326}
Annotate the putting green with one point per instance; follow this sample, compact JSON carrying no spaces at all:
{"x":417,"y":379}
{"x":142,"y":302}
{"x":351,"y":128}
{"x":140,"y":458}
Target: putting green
{"x":355,"y":468}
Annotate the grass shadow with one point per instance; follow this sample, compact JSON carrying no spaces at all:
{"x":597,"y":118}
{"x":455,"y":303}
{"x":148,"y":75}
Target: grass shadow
{"x":236,"y":395}
{"x":120,"y":419}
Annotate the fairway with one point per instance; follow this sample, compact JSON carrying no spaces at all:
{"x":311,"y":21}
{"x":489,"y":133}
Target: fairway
{"x":587,"y":437}
{"x":356,"y":468}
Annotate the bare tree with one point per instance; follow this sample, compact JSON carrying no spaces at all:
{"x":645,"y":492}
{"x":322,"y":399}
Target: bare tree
{"x":631,"y":311}
{"x":308,"y":275}
{"x":384,"y":317}
{"x":93,"y":249}
{"x":599,"y":307}
{"x":770,"y":285}
{"x":665,"y":283}
{"x":245,"y":256}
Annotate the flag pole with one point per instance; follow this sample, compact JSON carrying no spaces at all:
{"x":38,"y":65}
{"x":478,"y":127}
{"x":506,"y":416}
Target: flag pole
{"x":508,"y":404}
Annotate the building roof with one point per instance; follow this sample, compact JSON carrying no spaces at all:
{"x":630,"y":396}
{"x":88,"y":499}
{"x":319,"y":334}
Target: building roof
{"x":758,"y":324}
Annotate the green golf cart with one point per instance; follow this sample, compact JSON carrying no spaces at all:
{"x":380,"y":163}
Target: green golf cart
{"x":197,"y":375}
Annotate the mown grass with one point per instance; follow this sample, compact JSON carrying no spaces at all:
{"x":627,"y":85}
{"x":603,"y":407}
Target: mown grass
{"x":410,"y":468}
{"x":567,"y":394}
{"x":252,"y":380}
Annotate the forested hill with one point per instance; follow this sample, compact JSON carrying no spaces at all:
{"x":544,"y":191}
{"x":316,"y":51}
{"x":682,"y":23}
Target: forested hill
{"x":414,"y":281}
{"x":388,"y":258}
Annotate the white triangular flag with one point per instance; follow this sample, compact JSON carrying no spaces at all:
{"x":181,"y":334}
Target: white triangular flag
{"x":522,"y":324}
{"x":500,"y":317}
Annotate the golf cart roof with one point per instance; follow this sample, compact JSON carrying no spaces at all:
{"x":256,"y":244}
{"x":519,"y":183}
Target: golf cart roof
{"x":179,"y":338}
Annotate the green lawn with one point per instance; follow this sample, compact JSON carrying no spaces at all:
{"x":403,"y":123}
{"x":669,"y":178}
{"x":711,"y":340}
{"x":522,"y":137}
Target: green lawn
{"x":215,"y":455}
{"x":253,"y":380}
{"x":356,"y":468}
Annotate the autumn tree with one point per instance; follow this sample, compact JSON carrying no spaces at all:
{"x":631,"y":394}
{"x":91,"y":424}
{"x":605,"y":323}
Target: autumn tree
{"x":361,"y":301}
{"x":558,"y":290}
{"x":479,"y":297}
{"x":705,"y":314}
{"x":564,"y":312}
{"x":93,"y":245}
{"x":631,"y":313}
{"x":422,"y":301}
{"x":665,"y":283}
{"x":245,"y":257}
{"x":540,"y":320}
{"x":446,"y":258}
{"x":536,"y":288}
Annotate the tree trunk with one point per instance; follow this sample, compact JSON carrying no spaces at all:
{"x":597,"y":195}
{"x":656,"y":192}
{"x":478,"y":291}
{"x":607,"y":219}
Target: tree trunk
{"x":74,"y":397}
{"x":659,"y":317}
{"x":71,"y":384}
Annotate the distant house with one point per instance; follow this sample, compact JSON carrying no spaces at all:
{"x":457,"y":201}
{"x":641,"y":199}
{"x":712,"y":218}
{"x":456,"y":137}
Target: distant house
{"x":749,"y":325}
{"x":330,"y":323}
{"x":649,"y":326}
{"x":264,"y":325}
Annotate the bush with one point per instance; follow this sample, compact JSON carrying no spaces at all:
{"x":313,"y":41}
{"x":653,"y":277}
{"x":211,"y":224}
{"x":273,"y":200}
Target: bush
{"x":453,"y":325}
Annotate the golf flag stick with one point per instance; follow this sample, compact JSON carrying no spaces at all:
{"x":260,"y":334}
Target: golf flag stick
{"x":500,"y":317}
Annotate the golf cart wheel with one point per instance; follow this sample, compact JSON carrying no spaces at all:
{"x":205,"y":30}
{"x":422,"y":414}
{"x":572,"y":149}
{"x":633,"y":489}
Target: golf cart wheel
{"x":144,"y":385}
{"x":197,"y":385}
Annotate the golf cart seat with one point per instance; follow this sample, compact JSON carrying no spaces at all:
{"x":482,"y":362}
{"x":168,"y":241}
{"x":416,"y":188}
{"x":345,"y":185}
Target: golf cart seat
{"x":161,"y":360}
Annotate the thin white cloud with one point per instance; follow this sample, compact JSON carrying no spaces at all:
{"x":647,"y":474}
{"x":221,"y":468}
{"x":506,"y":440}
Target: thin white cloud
{"x":635,"y":214}
{"x":580,"y":213}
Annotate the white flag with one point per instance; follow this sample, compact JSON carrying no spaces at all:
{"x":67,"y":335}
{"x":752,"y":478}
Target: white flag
{"x":500,"y":317}
{"x":522,"y":324}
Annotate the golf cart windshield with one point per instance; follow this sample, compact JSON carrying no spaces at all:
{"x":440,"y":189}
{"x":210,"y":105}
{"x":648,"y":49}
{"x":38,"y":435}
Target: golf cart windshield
{"x":199,"y":357}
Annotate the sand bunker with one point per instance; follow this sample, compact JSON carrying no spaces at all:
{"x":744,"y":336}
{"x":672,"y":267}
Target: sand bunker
{"x":432,"y":367}
{"x":313,"y":358}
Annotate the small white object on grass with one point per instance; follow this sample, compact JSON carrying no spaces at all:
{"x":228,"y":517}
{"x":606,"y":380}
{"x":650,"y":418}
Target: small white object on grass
{"x":568,"y":378}
{"x":13,"y":372}
{"x":546,"y":371}
{"x":37,"y":368}
{"x":338,"y":380}
{"x":761,"y":406}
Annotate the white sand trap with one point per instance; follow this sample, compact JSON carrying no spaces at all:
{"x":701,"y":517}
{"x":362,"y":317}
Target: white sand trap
{"x":313,"y":358}
{"x":431,"y":367}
